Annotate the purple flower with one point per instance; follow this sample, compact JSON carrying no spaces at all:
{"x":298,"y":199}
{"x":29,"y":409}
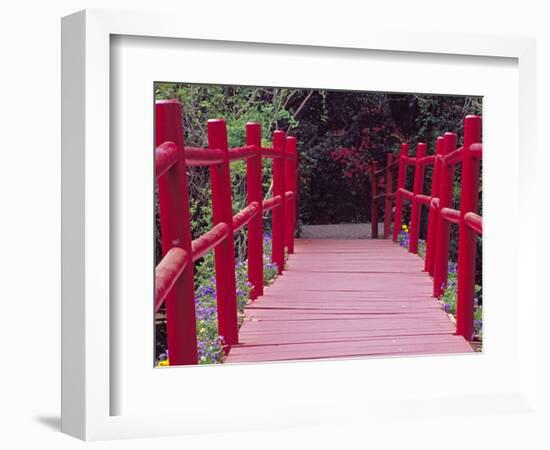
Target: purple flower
{"x":446,"y":307}
{"x":452,"y":267}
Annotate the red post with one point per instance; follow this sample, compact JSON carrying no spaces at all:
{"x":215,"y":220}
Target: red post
{"x":417,"y":190}
{"x":388,"y":203}
{"x":176,"y":232}
{"x":255,"y":226}
{"x":434,"y":210}
{"x":291,"y":185}
{"x":403,"y":153}
{"x":466,"y":237}
{"x":224,"y":253}
{"x":373,"y":201}
{"x":441,"y":257}
{"x":278,"y":214}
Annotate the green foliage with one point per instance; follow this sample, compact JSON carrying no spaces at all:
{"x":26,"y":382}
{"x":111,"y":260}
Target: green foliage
{"x":273,"y":108}
{"x":449,"y":301}
{"x":238,"y":105}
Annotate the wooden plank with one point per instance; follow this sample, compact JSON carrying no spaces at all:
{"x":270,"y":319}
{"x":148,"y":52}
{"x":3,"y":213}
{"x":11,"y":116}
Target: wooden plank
{"x":347,"y":298}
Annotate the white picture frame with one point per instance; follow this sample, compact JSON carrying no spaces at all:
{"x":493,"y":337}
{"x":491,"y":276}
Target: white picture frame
{"x":87,"y":386}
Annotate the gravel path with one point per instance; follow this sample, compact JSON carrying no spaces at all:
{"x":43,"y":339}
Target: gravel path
{"x":340,"y":231}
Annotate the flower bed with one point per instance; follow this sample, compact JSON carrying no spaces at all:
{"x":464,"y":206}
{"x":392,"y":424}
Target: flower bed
{"x":210,"y":344}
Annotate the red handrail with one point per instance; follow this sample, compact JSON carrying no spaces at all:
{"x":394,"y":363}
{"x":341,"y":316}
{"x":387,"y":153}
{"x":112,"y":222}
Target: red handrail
{"x":474,"y":221}
{"x":441,"y":213}
{"x":166,"y":155}
{"x":209,"y":240}
{"x":270,"y":203}
{"x":451,"y":215}
{"x":426,"y":160}
{"x":174,"y":283}
{"x":453,"y":158}
{"x":243,"y":217}
{"x":248,"y":151}
{"x":403,"y":193}
{"x":167,"y":273}
{"x":204,"y":156}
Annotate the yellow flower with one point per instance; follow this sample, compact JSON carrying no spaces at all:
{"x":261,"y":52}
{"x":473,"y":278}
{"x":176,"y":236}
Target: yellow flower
{"x":163,"y":363}
{"x":202,"y":330}
{"x":404,"y":227}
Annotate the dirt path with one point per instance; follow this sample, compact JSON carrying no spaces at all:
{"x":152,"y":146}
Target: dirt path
{"x":340,"y":231}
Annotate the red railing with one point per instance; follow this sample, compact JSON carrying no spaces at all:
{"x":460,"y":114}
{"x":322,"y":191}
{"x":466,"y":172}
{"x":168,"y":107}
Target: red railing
{"x":174,"y":284}
{"x":441,"y":214}
{"x":382,"y":178}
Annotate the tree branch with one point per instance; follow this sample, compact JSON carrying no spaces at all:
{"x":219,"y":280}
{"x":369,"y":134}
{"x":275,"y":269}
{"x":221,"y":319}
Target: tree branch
{"x":301,"y":107}
{"x":248,"y":102}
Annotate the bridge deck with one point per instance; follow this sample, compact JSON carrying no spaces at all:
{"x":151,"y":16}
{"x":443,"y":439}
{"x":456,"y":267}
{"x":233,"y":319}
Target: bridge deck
{"x":347,"y":298}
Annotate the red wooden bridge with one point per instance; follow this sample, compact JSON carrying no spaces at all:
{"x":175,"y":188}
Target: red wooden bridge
{"x":337,"y":298}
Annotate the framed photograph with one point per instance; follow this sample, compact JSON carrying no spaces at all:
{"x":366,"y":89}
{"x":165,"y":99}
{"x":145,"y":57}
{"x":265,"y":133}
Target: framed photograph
{"x":285,"y":225}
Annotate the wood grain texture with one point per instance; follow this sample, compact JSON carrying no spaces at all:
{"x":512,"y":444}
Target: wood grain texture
{"x":346,"y":298}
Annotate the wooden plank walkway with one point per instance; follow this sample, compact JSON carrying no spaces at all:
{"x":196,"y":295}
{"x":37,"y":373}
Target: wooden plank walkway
{"x":347,"y":298}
